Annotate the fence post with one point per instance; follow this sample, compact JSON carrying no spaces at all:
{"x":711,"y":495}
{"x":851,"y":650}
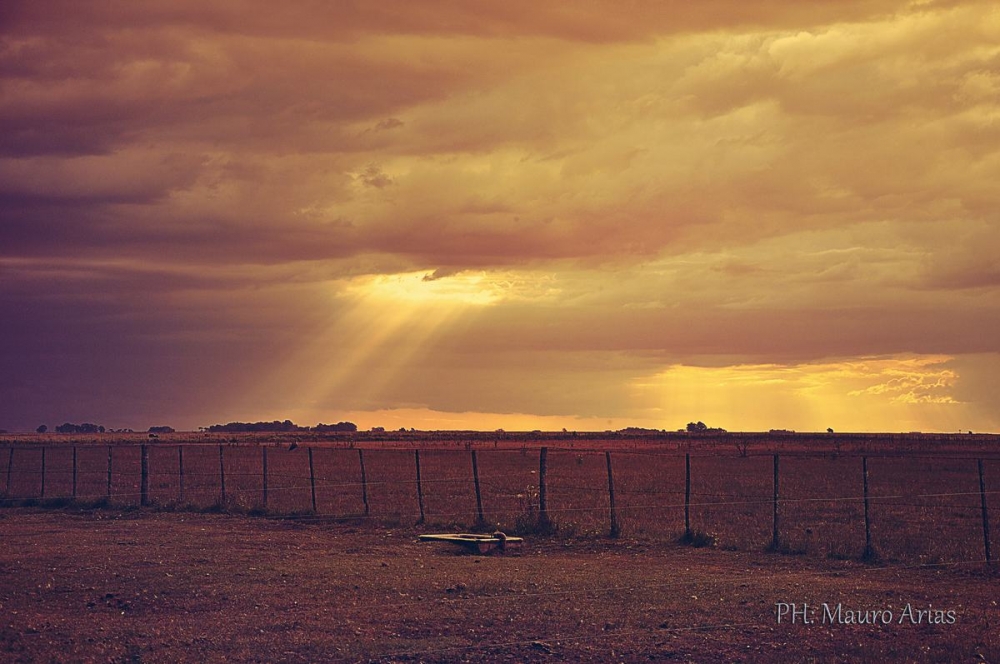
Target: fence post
{"x":420,"y":488}
{"x":74,"y":472}
{"x":480,"y":521}
{"x":312,"y":480}
{"x":43,"y":472}
{"x":264,"y":462}
{"x":869,"y":550}
{"x":774,"y":532}
{"x":10,"y":466}
{"x":222,"y":477}
{"x":615,"y":526}
{"x":110,"y":459}
{"x":364,"y":480}
{"x":144,"y":476}
{"x":986,"y":518}
{"x":543,"y":502}
{"x":687,"y":497}
{"x":180,"y":473}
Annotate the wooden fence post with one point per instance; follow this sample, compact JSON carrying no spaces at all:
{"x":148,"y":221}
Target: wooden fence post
{"x":986,"y":518}
{"x":180,"y":473}
{"x":774,"y":532}
{"x":687,"y":497}
{"x":264,"y":464}
{"x":110,"y":461}
{"x":869,"y":549}
{"x":543,"y":502}
{"x":615,"y":526}
{"x":74,"y":472}
{"x":10,"y":466}
{"x":364,"y":480}
{"x":420,"y":488}
{"x":43,"y":472}
{"x":480,"y":520}
{"x":144,"y":476}
{"x":312,"y":480}
{"x":222,"y":477}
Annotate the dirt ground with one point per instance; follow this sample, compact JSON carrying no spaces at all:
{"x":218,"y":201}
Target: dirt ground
{"x":141,"y":586}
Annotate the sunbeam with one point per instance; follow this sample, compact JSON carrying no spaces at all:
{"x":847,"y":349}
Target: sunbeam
{"x":384,"y":324}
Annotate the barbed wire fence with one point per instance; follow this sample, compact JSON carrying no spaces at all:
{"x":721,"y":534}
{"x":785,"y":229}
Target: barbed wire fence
{"x":932,"y":508}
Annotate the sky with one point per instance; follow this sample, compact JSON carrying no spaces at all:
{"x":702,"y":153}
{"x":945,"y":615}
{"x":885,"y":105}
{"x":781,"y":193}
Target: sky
{"x":519,"y":215}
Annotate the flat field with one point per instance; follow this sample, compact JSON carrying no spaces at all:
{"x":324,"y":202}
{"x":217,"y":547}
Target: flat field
{"x":131,"y":585}
{"x":318,"y":559}
{"x":924,"y":500}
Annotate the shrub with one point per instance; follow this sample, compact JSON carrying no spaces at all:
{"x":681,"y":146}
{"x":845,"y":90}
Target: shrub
{"x":697,"y":539}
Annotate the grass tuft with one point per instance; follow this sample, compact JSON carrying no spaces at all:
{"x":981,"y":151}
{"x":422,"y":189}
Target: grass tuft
{"x":871,"y":556}
{"x":697,"y":539}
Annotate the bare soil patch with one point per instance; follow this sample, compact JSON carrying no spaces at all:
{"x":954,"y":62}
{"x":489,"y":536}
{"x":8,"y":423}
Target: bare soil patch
{"x":140,"y":586}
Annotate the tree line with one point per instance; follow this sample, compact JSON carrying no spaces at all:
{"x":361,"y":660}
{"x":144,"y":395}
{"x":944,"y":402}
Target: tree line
{"x":278,"y":427}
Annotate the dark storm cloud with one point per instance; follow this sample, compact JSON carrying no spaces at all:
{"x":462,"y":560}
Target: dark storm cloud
{"x":587,"y":21}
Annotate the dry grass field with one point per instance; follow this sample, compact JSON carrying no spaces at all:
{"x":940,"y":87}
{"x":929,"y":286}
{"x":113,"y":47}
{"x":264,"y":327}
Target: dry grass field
{"x":196,"y":577}
{"x":143,"y":586}
{"x":924,"y":506}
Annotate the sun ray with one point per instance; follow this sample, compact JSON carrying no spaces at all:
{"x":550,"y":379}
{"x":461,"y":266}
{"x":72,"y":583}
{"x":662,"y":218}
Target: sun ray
{"x":385,"y":323}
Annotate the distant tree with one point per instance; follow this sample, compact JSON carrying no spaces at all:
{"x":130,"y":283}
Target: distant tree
{"x":696,"y":427}
{"x":339,"y":426}
{"x":829,"y":430}
{"x":254,"y":427}
{"x":42,"y":429}
{"x":637,"y":431}
{"x":160,"y":430}
{"x":86,"y":427}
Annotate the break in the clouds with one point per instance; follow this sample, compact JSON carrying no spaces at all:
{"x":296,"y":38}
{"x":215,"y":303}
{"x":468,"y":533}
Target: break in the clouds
{"x":427,"y":214}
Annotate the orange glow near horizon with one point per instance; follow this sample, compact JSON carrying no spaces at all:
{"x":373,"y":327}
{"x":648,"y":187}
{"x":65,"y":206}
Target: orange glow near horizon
{"x":905,"y":393}
{"x":894,"y":394}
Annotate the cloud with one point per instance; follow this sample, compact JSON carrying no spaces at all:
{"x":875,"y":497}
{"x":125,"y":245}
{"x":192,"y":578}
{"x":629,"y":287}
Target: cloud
{"x":590,"y":22}
{"x":133,"y":177}
{"x":914,"y":381}
{"x":967,"y":261}
{"x":499,"y":161}
{"x":632,"y":188}
{"x":373,"y":176}
{"x":389,"y":124}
